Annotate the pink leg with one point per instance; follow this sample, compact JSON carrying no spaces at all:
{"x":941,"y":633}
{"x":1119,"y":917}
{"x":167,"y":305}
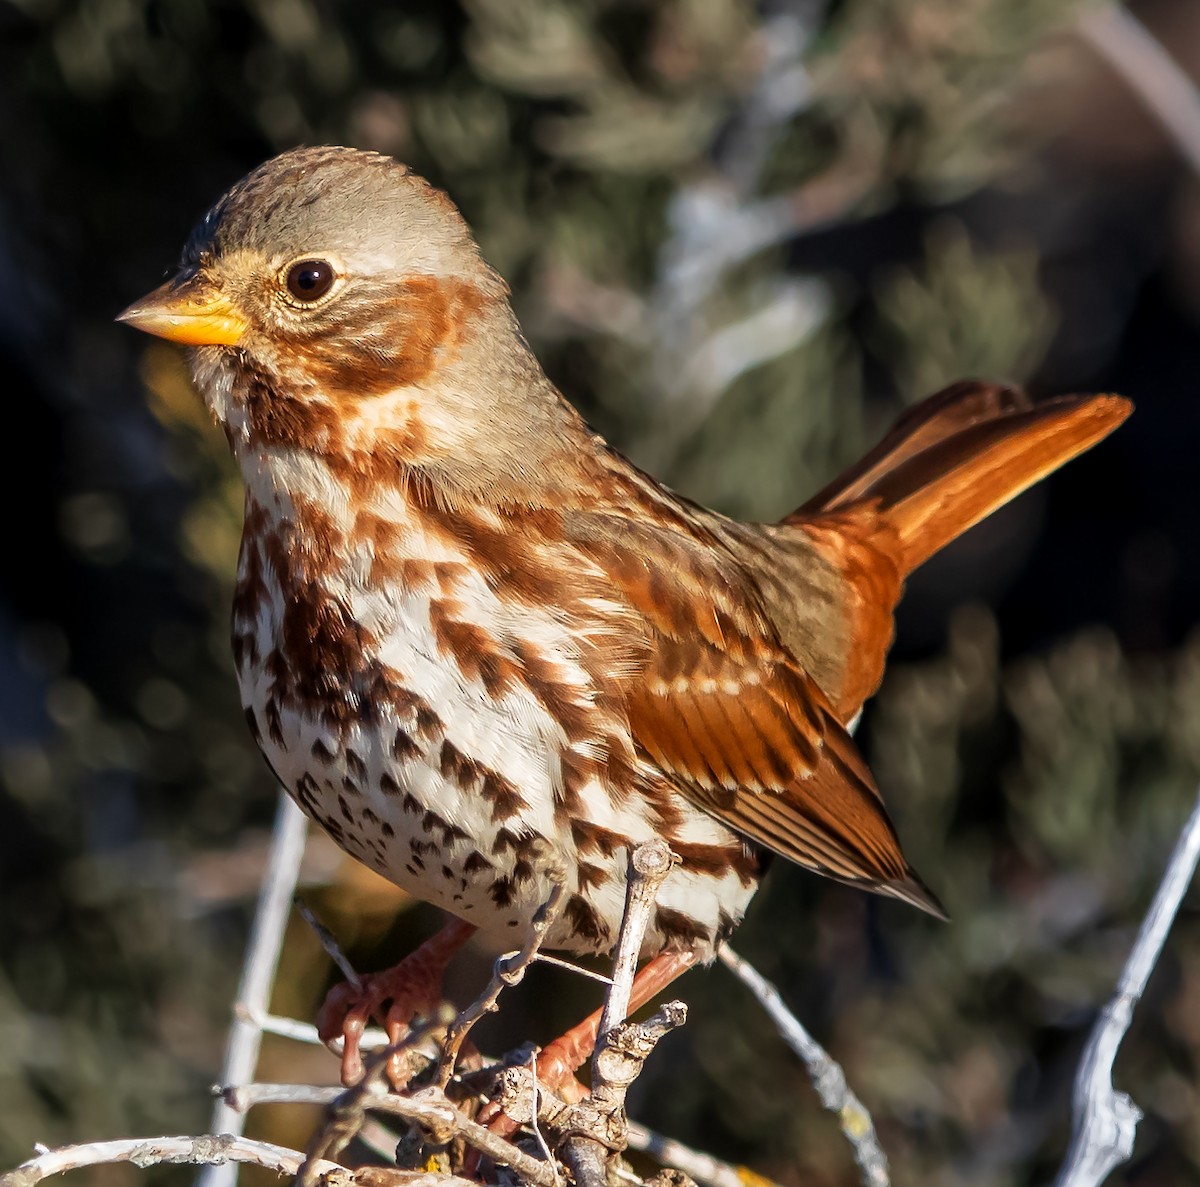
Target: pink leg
{"x":412,"y":987}
{"x":558,"y":1062}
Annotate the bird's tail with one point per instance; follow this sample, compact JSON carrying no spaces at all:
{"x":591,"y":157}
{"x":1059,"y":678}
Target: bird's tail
{"x":954,"y":459}
{"x":947,"y":463}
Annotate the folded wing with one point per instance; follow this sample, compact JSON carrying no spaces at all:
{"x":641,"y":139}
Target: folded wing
{"x":721,"y":707}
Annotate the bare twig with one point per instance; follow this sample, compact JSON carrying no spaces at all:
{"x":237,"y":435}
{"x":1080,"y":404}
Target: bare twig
{"x":1148,"y":69}
{"x":649,"y":864}
{"x":434,"y":1112}
{"x":540,"y":1137}
{"x":1104,"y":1120}
{"x":593,"y":1128}
{"x":704,"y":1168}
{"x":328,"y":941}
{"x":258,"y":971}
{"x":827,"y":1076}
{"x":346,"y":1114}
{"x":559,"y":963}
{"x":243,"y":1097}
{"x":372,"y":1039}
{"x":430,"y":1109}
{"x":509,"y":969}
{"x":208,"y":1150}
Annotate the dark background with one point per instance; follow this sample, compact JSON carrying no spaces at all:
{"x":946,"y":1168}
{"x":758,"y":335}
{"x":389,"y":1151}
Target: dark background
{"x":969,"y":189}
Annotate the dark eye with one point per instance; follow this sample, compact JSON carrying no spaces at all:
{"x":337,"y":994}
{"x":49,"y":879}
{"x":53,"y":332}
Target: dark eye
{"x":310,"y":280}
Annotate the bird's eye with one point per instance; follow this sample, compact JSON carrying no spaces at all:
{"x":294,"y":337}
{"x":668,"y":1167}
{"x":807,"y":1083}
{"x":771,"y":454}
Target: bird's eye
{"x":310,"y":280}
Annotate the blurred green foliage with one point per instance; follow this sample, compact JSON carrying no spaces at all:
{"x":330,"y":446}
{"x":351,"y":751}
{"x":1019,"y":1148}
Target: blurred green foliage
{"x":609,"y":153}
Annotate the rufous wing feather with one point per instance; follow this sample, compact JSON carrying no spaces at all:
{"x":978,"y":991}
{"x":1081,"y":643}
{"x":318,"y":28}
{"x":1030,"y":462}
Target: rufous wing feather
{"x":758,"y":747}
{"x":720,"y":705}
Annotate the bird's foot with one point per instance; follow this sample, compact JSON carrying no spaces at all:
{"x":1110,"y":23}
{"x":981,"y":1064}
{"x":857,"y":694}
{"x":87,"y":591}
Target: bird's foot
{"x":394,"y":997}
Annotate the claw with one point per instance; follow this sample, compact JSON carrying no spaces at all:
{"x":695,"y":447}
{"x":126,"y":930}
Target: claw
{"x":394,"y":998}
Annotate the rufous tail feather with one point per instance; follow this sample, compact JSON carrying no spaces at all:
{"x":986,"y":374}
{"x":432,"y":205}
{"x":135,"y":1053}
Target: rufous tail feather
{"x":958,"y":456}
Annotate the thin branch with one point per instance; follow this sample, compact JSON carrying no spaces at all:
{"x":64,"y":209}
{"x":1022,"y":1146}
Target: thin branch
{"x":827,"y":1076}
{"x":509,"y":969}
{"x":258,"y":971}
{"x":207,"y":1150}
{"x":704,"y":1168}
{"x":590,"y":1131}
{"x":327,"y":941}
{"x":346,"y":1113}
{"x":593,"y":1128}
{"x":372,"y":1039}
{"x":1104,"y":1120}
{"x":534,"y":1125}
{"x":429,"y":1108}
{"x":1166,"y":89}
{"x":559,"y":963}
{"x":649,"y":864}
{"x":438,"y":1116}
{"x":243,"y":1097}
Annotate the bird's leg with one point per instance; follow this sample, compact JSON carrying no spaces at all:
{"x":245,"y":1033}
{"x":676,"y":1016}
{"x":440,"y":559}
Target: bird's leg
{"x":558,"y":1061}
{"x":412,"y":987}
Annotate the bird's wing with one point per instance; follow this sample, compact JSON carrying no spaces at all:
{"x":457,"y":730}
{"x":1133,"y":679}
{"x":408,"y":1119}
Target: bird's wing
{"x":723,"y":709}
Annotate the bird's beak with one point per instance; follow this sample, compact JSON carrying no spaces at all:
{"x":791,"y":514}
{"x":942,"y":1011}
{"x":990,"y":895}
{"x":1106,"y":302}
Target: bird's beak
{"x":187,"y":309}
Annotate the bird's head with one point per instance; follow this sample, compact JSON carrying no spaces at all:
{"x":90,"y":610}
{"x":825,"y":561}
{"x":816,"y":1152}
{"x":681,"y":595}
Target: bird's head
{"x":336,"y":300}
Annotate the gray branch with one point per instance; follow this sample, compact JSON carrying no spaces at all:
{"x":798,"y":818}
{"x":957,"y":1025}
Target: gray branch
{"x":649,"y":864}
{"x":208,"y":1150}
{"x":1138,"y":57}
{"x":827,"y":1076}
{"x":258,"y":972}
{"x":1104,"y":1120}
{"x":589,"y":1131}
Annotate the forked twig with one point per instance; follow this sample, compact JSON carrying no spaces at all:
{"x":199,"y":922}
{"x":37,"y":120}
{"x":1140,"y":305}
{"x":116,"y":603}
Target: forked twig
{"x":593,"y":1128}
{"x":430,"y":1109}
{"x":1104,"y":1121}
{"x":441,"y":1119}
{"x":827,"y":1076}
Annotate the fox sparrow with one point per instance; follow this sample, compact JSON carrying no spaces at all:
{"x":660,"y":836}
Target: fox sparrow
{"x":469,"y":634}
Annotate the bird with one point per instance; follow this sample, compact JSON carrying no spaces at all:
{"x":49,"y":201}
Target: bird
{"x":488,"y":653}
